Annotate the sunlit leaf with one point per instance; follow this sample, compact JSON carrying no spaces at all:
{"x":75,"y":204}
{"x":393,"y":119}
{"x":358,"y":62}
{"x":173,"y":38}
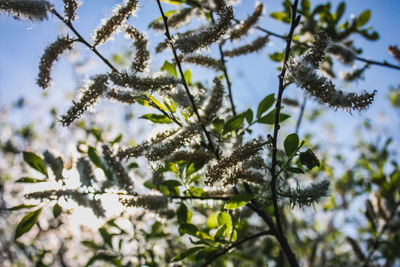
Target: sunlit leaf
{"x":291,"y":144}
{"x":27,"y":223}
{"x":265,"y":104}
{"x":156,"y":118}
{"x":35,"y":162}
{"x":238,"y":201}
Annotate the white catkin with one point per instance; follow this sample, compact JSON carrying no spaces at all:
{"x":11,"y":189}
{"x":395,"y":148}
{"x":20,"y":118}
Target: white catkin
{"x":211,"y":34}
{"x":26,"y":9}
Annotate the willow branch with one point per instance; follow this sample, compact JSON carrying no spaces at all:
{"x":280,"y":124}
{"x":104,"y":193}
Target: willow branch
{"x":82,"y":40}
{"x":301,"y":114}
{"x":185,"y":85}
{"x":295,"y":20}
{"x":369,"y":61}
{"x":225,"y":70}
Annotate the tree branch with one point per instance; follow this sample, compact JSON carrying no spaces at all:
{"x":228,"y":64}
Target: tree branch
{"x":225,"y":70}
{"x":82,"y":40}
{"x":295,"y":20}
{"x":185,"y":85}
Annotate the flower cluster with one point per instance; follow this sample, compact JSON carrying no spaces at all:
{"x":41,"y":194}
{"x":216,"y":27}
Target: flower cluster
{"x":56,"y":165}
{"x":191,"y":42}
{"x":110,"y":25}
{"x":247,"y":24}
{"x":214,"y":102}
{"x":395,"y":51}
{"x":89,"y":97}
{"x":150,"y":202}
{"x":147,"y":84}
{"x":341,"y":52}
{"x":80,"y":198}
{"x":222,"y":168}
{"x":50,"y":55}
{"x":164,"y":149}
{"x":204,"y":61}
{"x":70,"y":7}
{"x":307,"y":195}
{"x":197,"y":156}
{"x":303,"y":72}
{"x":254,"y":46}
{"x":136,"y":151}
{"x":175,"y":20}
{"x":142,"y":55}
{"x":85,"y":170}
{"x":122,"y":177}
{"x":354,"y":74}
{"x":123,"y":96}
{"x":26,"y":9}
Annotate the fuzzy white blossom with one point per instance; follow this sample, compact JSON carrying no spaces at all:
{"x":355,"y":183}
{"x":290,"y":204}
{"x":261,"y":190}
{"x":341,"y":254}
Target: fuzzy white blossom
{"x":26,"y":9}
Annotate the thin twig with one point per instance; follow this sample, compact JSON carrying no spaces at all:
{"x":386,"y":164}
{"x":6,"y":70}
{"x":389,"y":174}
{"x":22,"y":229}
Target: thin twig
{"x":82,"y":40}
{"x":369,"y":61}
{"x":295,"y":20}
{"x":185,"y":85}
{"x":300,"y":118}
{"x":238,"y":243}
{"x":225,"y":70}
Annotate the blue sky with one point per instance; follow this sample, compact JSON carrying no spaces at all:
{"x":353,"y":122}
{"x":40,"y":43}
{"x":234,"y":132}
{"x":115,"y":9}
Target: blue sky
{"x":23,"y":43}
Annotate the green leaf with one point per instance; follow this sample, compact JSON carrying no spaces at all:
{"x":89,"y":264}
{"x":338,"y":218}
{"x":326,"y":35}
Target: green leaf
{"x":279,"y":16}
{"x":305,"y":6}
{"x":156,"y":118}
{"x":363,"y":18}
{"x":265,"y":104}
{"x":218,"y":124}
{"x":188,"y":75}
{"x":27,"y":223}
{"x":30,"y":180}
{"x":309,"y":159}
{"x":35,"y":162}
{"x":340,"y":11}
{"x":270,"y":118}
{"x":249,"y":116}
{"x":186,"y":253}
{"x":294,"y":170}
{"x":184,"y":215}
{"x":238,"y":201}
{"x":277,"y":56}
{"x":94,"y":157}
{"x":133,"y":165}
{"x":23,"y":206}
{"x":224,"y":218}
{"x":221,"y":230}
{"x":105,"y":256}
{"x":170,"y":68}
{"x":57,"y":210}
{"x":197,"y":192}
{"x":107,"y":237}
{"x":370,"y":36}
{"x":291,"y":144}
{"x":117,"y":139}
{"x":233,"y":123}
{"x":188,"y":228}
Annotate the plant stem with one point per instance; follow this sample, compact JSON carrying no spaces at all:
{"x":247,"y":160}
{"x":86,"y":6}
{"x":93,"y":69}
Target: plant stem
{"x":300,"y":118}
{"x":280,"y":234}
{"x":369,"y":61}
{"x":185,"y":85}
{"x":82,"y":40}
{"x":225,"y":70}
